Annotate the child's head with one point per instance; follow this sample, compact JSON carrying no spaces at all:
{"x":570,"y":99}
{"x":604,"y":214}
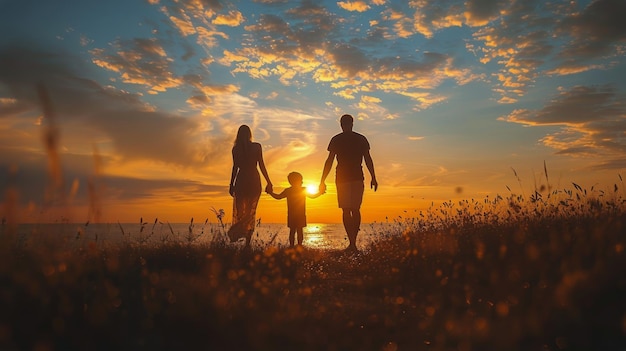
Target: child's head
{"x":295,"y":179}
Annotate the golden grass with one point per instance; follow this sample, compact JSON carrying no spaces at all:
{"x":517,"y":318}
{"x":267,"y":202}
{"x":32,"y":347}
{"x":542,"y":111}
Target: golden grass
{"x":498,"y":274}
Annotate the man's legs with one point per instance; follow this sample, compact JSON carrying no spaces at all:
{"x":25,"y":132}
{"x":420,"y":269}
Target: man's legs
{"x":350,"y":196}
{"x":352,"y":224}
{"x":292,"y":236}
{"x":300,"y":232}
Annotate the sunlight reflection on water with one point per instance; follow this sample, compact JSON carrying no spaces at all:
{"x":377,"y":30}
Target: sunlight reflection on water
{"x":314,"y":236}
{"x":324,"y":236}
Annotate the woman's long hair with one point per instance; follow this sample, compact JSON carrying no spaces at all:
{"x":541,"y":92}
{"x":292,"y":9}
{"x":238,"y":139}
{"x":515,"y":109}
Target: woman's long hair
{"x":243,"y":140}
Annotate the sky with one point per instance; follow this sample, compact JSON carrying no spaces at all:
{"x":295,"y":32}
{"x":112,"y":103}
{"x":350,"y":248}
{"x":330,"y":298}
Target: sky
{"x":126,"y":110}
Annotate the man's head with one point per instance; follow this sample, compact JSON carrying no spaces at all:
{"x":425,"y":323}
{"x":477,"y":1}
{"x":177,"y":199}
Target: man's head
{"x":346,"y":123}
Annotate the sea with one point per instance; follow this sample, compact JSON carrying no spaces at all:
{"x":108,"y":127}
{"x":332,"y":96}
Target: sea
{"x":325,"y":236}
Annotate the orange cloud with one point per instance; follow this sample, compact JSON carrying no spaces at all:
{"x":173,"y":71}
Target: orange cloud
{"x":232,"y":19}
{"x":358,"y":6}
{"x":593,"y":121}
{"x":574,"y":69}
{"x":347,"y":94}
{"x":207,"y":36}
{"x":184,"y":25}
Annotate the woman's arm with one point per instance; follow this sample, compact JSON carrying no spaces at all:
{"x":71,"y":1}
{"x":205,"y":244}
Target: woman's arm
{"x":268,"y":188}
{"x":233,"y":176}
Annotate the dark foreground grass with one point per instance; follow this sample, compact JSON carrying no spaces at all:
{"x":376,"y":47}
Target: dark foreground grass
{"x":541,"y":284}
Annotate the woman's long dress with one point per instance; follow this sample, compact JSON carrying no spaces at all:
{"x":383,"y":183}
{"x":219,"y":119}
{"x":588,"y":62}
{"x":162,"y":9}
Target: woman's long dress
{"x":247,"y":191}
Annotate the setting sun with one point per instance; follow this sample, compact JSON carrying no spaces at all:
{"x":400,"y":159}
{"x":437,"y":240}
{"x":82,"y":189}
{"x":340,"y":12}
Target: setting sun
{"x":311,"y":189}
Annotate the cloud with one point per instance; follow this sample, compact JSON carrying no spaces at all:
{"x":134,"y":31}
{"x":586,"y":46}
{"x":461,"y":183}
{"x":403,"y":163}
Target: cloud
{"x":526,"y":39}
{"x":200,"y":19}
{"x":183,"y":23}
{"x":592,"y":121}
{"x":596,"y":32}
{"x":298,"y":145}
{"x":422,"y":175}
{"x":128,"y":188}
{"x":132,"y":128}
{"x":611,"y":165}
{"x":204,"y":4}
{"x":204,"y":93}
{"x":232,"y":19}
{"x":370,"y":106}
{"x":309,"y":10}
{"x":31,"y":182}
{"x":402,"y":24}
{"x":347,"y":94}
{"x":304,"y":43}
{"x":558,"y":40}
{"x":139,"y":61}
{"x":349,"y":60}
{"x":285,"y":140}
{"x":271,"y":1}
{"x":143,"y":149}
{"x":481,"y":12}
{"x":358,"y":6}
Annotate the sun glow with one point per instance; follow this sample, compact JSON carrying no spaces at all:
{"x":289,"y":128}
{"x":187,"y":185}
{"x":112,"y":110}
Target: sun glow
{"x":311,"y":189}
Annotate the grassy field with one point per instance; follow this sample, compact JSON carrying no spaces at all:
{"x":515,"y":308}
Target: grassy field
{"x":546,"y":273}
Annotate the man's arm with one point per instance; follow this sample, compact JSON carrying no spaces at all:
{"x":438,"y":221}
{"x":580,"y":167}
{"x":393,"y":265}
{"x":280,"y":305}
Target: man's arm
{"x":328,"y":165}
{"x":370,"y":167}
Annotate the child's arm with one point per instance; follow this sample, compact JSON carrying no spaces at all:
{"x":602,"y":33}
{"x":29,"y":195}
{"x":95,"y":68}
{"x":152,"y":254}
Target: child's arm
{"x":316,"y":195}
{"x":282,"y":195}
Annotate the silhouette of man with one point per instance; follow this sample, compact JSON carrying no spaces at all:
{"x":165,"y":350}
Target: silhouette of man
{"x":351,"y":149}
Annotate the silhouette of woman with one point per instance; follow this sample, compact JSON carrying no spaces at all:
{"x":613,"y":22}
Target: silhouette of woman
{"x":245,"y":184}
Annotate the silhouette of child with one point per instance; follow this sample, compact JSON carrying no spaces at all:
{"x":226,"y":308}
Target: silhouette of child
{"x":296,"y":206}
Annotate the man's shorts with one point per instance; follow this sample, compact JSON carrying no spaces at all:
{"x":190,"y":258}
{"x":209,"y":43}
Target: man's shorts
{"x":350,"y":194}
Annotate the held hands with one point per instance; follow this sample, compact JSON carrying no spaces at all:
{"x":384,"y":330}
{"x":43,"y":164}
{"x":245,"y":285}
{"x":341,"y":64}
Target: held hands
{"x":322,"y":188}
{"x":268,"y":189}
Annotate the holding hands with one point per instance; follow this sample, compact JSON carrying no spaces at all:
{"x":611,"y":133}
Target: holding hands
{"x":268,"y":189}
{"x":322,"y":188}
